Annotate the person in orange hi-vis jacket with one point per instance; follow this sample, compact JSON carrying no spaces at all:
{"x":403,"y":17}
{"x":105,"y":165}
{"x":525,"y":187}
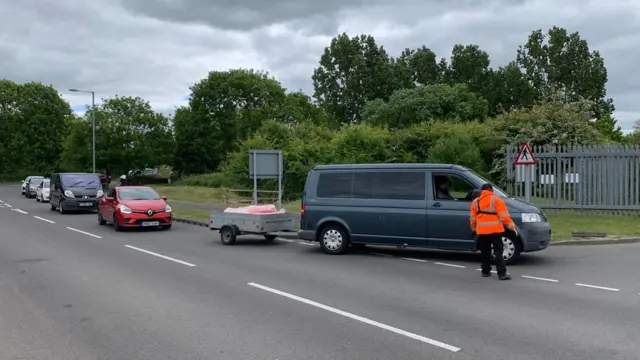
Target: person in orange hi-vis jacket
{"x":489,"y":218}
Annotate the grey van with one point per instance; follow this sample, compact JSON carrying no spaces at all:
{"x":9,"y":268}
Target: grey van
{"x":75,"y":192}
{"x":399,"y":205}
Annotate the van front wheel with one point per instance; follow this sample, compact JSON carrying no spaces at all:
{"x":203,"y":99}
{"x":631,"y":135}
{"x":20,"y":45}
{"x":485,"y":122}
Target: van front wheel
{"x":333,"y":240}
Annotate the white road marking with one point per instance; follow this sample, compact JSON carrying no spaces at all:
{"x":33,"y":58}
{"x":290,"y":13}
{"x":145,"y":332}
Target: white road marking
{"x":358,"y":318}
{"x":417,"y":260}
{"x":160,"y":256}
{"x":597,"y":287}
{"x":84,"y":232}
{"x":450,"y":265}
{"x":539,"y":278}
{"x":287,"y":240}
{"x":45,"y":220}
{"x":19,"y":211}
{"x":306,"y":243}
{"x":7,"y":205}
{"x":379,"y":254}
{"x":492,"y":271}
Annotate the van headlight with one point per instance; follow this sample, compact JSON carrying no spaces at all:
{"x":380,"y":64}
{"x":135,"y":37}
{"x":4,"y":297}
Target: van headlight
{"x":69,"y":194}
{"x":99,"y":193}
{"x":531,"y":218}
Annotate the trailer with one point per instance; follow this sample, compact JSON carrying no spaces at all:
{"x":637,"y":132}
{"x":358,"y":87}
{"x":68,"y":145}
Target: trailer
{"x":231,"y":225}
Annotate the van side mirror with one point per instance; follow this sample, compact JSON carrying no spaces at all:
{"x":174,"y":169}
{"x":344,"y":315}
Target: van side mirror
{"x":475,"y":193}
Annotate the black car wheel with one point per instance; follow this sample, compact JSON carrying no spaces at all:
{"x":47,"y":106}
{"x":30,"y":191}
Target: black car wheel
{"x":116,"y":224}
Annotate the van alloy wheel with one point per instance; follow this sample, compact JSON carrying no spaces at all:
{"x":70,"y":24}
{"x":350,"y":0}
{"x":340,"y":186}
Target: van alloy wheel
{"x":332,"y":239}
{"x":511,"y":251}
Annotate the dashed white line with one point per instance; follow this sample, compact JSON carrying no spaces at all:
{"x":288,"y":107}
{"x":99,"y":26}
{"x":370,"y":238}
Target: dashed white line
{"x":358,"y":318}
{"x":45,"y":220}
{"x":450,"y":265}
{"x":287,"y":240}
{"x":379,"y":254}
{"x":19,"y":211}
{"x":539,"y":278}
{"x":84,"y":232}
{"x":7,"y":205}
{"x":306,"y":243}
{"x":160,"y":256}
{"x":416,"y":260}
{"x":492,"y":271}
{"x":597,"y":287}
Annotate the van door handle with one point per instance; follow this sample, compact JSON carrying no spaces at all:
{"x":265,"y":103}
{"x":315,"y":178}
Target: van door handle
{"x":437,"y":204}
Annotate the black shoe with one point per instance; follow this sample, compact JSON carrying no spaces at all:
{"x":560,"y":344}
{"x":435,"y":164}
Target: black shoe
{"x":504,"y":277}
{"x":486,"y":274}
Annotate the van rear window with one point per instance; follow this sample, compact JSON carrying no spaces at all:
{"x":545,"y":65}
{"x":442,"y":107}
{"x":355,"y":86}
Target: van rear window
{"x":387,"y":185}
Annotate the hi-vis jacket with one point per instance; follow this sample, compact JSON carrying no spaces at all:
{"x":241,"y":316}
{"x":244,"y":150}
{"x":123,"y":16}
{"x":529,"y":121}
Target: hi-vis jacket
{"x":489,"y":214}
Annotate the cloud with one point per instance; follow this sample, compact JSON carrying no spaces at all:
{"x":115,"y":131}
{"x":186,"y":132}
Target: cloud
{"x":157,"y":49}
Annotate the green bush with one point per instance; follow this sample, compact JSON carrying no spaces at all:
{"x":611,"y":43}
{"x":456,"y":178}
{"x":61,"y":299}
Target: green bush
{"x":214,"y":180}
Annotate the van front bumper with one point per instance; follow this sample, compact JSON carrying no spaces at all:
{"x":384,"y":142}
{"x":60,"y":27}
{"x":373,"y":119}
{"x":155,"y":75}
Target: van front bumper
{"x":535,"y":236}
{"x":80,"y":204}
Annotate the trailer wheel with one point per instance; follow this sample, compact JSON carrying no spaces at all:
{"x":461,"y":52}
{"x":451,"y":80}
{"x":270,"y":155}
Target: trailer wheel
{"x":227,"y":235}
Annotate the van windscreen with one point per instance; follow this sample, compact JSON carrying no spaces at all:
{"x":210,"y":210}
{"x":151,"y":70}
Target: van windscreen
{"x":83,"y":180}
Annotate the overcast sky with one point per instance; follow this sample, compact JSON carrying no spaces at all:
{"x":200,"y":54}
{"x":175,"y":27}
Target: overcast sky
{"x":156,"y":49}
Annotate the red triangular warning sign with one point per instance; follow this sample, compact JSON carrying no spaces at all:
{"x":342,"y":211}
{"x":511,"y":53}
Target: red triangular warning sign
{"x":525,"y":156}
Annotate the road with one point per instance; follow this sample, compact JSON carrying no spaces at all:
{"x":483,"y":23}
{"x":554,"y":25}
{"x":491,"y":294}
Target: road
{"x":71,"y":289}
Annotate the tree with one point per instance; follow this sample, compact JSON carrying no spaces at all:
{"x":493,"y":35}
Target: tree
{"x":507,"y":89}
{"x":416,"y":67}
{"x":226,"y":107}
{"x":32,"y":126}
{"x":298,"y":108}
{"x":562,"y":62}
{"x":352,"y":71}
{"x":427,"y":103}
{"x":607,"y":126}
{"x":129,"y":135}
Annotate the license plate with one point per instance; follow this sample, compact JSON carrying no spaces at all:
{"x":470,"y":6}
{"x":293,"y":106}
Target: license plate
{"x":151,"y":223}
{"x":86,"y":204}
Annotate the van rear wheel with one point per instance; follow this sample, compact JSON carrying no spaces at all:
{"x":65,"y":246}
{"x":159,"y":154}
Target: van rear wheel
{"x":334,"y":240}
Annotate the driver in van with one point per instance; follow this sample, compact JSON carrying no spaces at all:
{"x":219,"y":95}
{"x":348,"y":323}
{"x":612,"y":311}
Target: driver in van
{"x":443,"y":184}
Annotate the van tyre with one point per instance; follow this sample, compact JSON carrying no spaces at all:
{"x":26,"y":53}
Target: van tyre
{"x":270,"y":238}
{"x":333,"y":240}
{"x":512,"y":250}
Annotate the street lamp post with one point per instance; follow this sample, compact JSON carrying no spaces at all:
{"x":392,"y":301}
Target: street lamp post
{"x":93,"y":120}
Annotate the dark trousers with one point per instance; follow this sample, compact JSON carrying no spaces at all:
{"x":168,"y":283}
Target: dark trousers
{"x":485,"y":243}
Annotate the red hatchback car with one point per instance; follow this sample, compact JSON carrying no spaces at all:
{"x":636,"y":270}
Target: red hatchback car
{"x":134,"y":207}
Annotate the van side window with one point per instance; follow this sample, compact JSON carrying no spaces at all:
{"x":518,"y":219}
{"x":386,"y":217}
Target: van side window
{"x":335,"y":185}
{"x":451,"y":187}
{"x":395,"y":185}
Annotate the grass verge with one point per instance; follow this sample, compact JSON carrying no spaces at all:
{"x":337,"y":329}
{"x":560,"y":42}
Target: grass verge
{"x":190,"y":213}
{"x":563,"y":223}
{"x":214,"y":196}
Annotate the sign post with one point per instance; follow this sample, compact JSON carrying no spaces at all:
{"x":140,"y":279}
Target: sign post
{"x":266,"y":164}
{"x":526,"y":159}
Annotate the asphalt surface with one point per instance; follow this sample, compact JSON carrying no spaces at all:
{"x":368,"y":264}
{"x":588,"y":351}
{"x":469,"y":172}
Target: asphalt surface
{"x":72,"y":289}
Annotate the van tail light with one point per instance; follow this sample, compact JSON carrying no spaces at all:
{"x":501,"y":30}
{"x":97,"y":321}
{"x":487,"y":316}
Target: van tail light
{"x":302,"y":207}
